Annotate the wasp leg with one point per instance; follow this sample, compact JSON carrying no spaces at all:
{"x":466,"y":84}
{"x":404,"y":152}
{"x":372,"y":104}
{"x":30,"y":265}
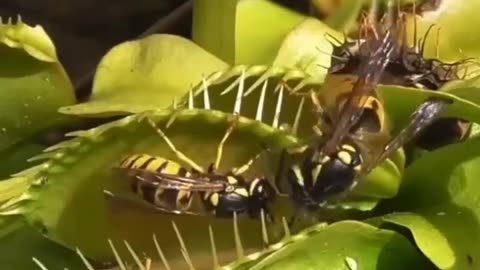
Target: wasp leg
{"x":423,"y":116}
{"x":280,"y":170}
{"x":296,"y":150}
{"x":248,"y":164}
{"x":229,"y":131}
{"x":177,"y":152}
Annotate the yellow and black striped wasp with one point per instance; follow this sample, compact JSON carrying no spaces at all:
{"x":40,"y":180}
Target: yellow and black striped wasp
{"x":352,"y":136}
{"x":409,"y":67}
{"x":170,"y":188}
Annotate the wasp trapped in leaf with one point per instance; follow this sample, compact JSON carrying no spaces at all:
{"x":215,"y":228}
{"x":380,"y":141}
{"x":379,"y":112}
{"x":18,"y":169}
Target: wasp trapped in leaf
{"x":408,"y":67}
{"x":170,"y":188}
{"x":352,"y":136}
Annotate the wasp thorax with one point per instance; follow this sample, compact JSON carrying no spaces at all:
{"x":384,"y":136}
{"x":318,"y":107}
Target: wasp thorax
{"x":336,"y":172}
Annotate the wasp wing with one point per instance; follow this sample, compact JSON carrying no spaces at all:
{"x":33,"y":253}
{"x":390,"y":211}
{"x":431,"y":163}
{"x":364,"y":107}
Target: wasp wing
{"x":174,"y":182}
{"x":370,"y":74}
{"x":423,"y":116}
{"x":124,"y":201}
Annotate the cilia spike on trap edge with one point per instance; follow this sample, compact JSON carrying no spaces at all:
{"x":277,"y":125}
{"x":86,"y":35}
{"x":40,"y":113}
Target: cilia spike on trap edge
{"x":352,"y":137}
{"x":170,"y":188}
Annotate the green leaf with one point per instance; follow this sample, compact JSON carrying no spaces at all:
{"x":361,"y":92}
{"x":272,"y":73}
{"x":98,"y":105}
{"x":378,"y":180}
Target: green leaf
{"x":146,"y":74}
{"x":23,"y":243}
{"x":306,"y":48}
{"x":33,"y":40}
{"x":442,"y":205}
{"x":66,"y":198}
{"x":400,"y":102}
{"x":242,"y":31}
{"x":345,"y":245}
{"x":33,"y":83}
{"x":345,"y":16}
{"x":14,"y":187}
{"x":425,"y":233}
{"x":16,"y":158}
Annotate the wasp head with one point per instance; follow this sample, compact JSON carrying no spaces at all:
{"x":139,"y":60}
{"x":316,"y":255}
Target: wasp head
{"x":262,"y":194}
{"x":335,"y":173}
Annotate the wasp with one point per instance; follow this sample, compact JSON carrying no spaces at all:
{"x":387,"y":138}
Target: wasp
{"x":352,"y":136}
{"x":407,"y":67}
{"x":170,"y":187}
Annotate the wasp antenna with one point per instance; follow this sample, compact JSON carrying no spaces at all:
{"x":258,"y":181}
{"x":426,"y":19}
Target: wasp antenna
{"x":298,"y":115}
{"x":134,"y":256}
{"x":190,"y":99}
{"x":183,"y":248}
{"x":160,"y":253}
{"x":238,"y":240}
{"x":278,"y":108}
{"x":238,"y":100}
{"x":331,"y":54}
{"x":119,"y":260}
{"x":216,"y":264}
{"x":206,"y":98}
{"x":261,"y":102}
{"x":85,"y":261}
{"x":339,"y":43}
{"x":322,"y":66}
{"x":264,"y":228}
{"x":422,"y":46}
{"x":286,"y":230}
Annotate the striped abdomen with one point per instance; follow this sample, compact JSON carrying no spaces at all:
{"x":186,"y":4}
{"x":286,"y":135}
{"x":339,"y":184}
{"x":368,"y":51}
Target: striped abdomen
{"x":165,"y":198}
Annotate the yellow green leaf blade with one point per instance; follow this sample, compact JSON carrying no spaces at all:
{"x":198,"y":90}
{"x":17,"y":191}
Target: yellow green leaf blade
{"x":33,"y":86}
{"x":307,"y":48}
{"x":146,"y":74}
{"x":438,"y":203}
{"x":34,"y":40}
{"x":345,"y":245}
{"x":238,"y":31}
{"x":66,"y":201}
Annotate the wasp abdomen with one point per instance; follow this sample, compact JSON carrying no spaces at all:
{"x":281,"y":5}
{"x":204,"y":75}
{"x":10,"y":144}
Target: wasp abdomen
{"x":171,"y":199}
{"x":320,"y":178}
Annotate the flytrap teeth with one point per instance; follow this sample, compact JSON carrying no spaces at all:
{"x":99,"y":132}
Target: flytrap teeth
{"x":183,"y":248}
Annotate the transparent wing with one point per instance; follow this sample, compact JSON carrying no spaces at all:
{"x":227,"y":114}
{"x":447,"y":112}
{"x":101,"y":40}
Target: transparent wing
{"x":423,"y":116}
{"x":371,"y":72}
{"x":175,"y":182}
{"x":125,"y":201}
